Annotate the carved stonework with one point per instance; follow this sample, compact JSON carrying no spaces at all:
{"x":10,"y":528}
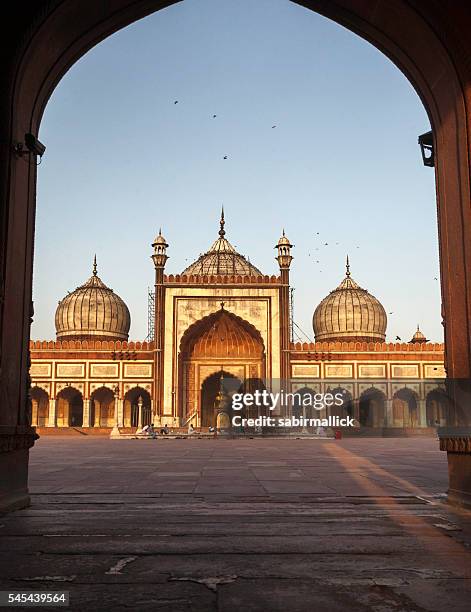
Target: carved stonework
{"x":458,"y":444}
{"x":16,"y":438}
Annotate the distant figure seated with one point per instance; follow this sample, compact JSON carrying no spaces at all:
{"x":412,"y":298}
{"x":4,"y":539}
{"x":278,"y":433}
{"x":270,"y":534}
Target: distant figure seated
{"x":191,"y":429}
{"x":212,"y":429}
{"x":165,"y":430}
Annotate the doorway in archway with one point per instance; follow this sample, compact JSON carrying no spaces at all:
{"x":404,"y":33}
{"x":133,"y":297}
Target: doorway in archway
{"x":69,"y":411}
{"x":216,"y":392}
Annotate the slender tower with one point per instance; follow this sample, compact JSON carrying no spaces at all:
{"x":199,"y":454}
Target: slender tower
{"x":284,"y":259}
{"x":159,"y":258}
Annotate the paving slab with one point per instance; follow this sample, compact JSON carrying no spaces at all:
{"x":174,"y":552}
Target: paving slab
{"x":230,"y":525}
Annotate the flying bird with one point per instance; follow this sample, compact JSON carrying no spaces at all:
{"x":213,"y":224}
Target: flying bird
{"x":225,"y":157}
{"x":435,"y":278}
{"x":391,"y":313}
{"x":273,"y":127}
{"x":326,"y":244}
{"x":214,"y":116}
{"x":398,"y":338}
{"x":176,"y":102}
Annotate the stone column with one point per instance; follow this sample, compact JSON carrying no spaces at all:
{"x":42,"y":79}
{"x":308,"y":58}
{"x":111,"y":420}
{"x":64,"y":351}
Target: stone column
{"x":118,"y":414}
{"x":157,"y":419}
{"x":421,"y":413}
{"x":139,"y":416}
{"x":389,"y":416}
{"x":97,"y":413}
{"x":120,"y":411}
{"x":356,"y":410}
{"x":457,"y":443}
{"x":34,"y":412}
{"x":86,"y":413}
{"x":52,"y":413}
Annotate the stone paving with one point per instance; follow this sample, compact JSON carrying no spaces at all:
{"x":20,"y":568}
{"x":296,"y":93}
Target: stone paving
{"x":229,"y":525}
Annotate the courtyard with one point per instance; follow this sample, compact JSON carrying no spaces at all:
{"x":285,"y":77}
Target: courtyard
{"x":245,"y":524}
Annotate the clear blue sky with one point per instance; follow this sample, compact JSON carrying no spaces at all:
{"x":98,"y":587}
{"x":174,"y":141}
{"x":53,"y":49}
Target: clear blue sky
{"x":122,"y":160}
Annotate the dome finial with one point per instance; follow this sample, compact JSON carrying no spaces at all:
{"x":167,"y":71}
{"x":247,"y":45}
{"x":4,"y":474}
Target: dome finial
{"x":348,"y":267}
{"x":94,"y":266}
{"x":222,"y":232}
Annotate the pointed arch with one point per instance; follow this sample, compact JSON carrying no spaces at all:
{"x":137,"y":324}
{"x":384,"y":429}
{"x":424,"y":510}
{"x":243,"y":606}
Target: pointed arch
{"x":69,"y":407}
{"x":222,"y":334}
{"x":219,"y":340}
{"x":131,"y":417}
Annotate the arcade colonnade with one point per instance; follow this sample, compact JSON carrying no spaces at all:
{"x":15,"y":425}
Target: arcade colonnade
{"x":103,"y":409}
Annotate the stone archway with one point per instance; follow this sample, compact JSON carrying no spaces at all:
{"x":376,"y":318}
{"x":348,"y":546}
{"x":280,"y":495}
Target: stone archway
{"x":437,"y":408}
{"x":346,"y":408}
{"x":432,"y":51}
{"x":220,"y":341}
{"x":102,"y":402}
{"x":405,"y":409}
{"x":69,"y":408}
{"x":372,"y":408}
{"x":40,"y":407}
{"x":131,"y":416}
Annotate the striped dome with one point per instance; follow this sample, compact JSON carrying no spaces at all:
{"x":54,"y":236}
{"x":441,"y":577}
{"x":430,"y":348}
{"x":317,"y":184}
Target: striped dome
{"x":221,"y":259}
{"x":349,"y":313}
{"x":92,"y":311}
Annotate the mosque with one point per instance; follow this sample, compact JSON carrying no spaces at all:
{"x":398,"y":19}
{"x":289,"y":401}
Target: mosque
{"x":223,"y":317}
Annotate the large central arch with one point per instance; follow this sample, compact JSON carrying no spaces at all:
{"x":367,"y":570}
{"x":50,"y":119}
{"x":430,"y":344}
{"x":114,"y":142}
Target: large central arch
{"x":424,"y":39}
{"x":219,"y":342}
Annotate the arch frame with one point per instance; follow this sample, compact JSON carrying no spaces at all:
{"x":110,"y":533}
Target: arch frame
{"x":406,"y":401}
{"x":193,"y":368}
{"x":365,"y":409}
{"x":431,"y":53}
{"x":131,"y":416}
{"x":68,"y":394}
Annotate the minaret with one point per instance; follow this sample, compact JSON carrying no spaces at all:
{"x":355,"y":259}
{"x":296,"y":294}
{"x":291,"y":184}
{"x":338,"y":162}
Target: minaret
{"x":159,"y":258}
{"x":284,"y":259}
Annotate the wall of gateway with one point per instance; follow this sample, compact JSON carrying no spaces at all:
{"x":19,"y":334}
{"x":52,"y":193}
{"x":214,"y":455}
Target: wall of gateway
{"x":257,"y":305}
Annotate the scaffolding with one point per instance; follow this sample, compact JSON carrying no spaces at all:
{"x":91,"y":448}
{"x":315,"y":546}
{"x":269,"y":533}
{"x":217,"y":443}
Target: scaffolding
{"x":297,"y":334}
{"x":150,"y":315}
{"x":291,"y":314}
